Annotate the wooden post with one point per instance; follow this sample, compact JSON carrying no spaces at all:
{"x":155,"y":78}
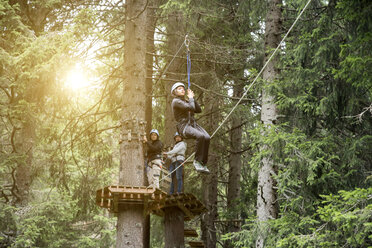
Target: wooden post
{"x":174,"y":228}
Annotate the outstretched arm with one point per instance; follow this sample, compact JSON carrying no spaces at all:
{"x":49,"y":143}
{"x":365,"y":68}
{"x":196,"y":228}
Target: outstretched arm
{"x":181,"y":146}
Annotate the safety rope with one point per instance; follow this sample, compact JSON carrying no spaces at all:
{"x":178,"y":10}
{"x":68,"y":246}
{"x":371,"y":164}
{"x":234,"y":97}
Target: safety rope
{"x":187,"y":43}
{"x":249,"y":87}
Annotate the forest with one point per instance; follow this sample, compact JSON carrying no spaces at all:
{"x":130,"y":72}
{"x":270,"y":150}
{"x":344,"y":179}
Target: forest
{"x":285,"y":88}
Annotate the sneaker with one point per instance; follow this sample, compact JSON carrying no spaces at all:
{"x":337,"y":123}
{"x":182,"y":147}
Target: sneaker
{"x":205,"y":170}
{"x":198,"y":166}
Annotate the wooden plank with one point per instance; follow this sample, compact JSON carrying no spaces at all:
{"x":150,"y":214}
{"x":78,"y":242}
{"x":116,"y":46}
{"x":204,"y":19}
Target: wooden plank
{"x":185,"y":211}
{"x":196,"y":244}
{"x":190,"y":233}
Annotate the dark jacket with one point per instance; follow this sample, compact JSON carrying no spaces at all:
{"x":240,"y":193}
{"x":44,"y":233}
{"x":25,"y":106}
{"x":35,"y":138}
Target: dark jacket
{"x":183,"y":112}
{"x":154,"y":149}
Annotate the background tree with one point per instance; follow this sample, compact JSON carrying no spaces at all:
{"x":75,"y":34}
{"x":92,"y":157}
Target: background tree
{"x":266,"y":194}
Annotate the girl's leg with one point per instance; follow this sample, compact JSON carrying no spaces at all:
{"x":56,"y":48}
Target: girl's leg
{"x":202,"y":141}
{"x":204,"y":144}
{"x":171,"y":168}
{"x":156,"y":164}
{"x":150,"y":173}
{"x":179,"y":173}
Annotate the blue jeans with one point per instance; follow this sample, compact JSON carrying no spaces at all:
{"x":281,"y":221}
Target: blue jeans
{"x":178,"y":176}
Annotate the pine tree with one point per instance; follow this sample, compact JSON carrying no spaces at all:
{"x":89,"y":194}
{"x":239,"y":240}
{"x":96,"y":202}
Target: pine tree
{"x":266,"y":194}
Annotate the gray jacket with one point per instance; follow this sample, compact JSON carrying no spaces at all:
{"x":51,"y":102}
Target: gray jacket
{"x":178,"y":152}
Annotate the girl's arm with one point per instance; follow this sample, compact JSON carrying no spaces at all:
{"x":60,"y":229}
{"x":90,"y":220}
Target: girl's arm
{"x":183,"y":105}
{"x":197,"y":107}
{"x":177,"y":149}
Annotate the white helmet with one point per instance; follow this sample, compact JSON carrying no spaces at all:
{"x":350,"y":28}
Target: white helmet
{"x":176,"y":85}
{"x":154,"y":131}
{"x":176,"y":134}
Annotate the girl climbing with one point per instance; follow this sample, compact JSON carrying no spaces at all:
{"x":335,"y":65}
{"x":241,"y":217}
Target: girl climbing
{"x":154,"y":149}
{"x":184,"y":111}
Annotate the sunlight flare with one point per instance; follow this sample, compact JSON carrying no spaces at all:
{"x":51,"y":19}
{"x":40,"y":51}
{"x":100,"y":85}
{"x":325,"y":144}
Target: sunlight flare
{"x":76,"y":79}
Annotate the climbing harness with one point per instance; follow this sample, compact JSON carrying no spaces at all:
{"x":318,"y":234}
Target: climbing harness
{"x":250,"y":86}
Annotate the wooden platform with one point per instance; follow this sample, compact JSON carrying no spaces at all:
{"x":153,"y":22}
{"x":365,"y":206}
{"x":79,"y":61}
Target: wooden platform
{"x":119,"y":197}
{"x":187,"y":202}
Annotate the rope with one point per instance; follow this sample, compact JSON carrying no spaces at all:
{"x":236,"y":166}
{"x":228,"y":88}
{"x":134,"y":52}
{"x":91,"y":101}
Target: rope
{"x":187,"y":43}
{"x":250,"y":86}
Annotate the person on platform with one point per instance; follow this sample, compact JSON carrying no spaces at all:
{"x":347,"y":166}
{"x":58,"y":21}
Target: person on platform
{"x":177,"y":156}
{"x":154,"y":149}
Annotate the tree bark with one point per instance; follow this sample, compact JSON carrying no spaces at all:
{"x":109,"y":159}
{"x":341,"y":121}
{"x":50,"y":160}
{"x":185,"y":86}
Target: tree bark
{"x":266,"y":195}
{"x":131,"y":221}
{"x":209,"y":234}
{"x":235,"y":162}
{"x":150,"y":48}
{"x":175,"y":35}
{"x":174,"y":228}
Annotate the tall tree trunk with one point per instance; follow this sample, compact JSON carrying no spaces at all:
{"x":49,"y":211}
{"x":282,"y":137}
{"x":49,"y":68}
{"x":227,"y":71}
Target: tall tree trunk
{"x":208,"y":228}
{"x":209,"y":234}
{"x":131,"y":221}
{"x":266,"y":195}
{"x":175,"y":38}
{"x":235,"y":162}
{"x":174,"y":227}
{"x":150,"y":48}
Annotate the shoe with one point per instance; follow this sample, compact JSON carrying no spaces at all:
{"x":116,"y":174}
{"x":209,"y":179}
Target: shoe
{"x":205,"y":170}
{"x":198,"y":166}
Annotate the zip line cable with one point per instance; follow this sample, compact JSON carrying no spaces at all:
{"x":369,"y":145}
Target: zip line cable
{"x":249,"y":87}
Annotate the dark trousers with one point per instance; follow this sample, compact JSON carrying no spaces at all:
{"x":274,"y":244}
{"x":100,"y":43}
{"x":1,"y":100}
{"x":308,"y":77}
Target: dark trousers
{"x":177,"y":177}
{"x":202,"y":141}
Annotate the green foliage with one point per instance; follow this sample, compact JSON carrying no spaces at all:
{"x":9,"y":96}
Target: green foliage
{"x":322,"y":152}
{"x":320,"y":148}
{"x":341,"y":220}
{"x":38,"y":225}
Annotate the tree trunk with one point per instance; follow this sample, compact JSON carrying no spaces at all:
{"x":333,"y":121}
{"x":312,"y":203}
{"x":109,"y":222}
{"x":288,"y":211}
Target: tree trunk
{"x":209,"y":234}
{"x":174,"y":228}
{"x":131,"y":221}
{"x":235,"y":162}
{"x":23,"y":173}
{"x":266,"y":196}
{"x":210,"y":201}
{"x":150,"y":48}
{"x":175,"y":38}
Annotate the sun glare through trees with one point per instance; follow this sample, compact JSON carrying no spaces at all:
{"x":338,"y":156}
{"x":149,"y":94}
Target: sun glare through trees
{"x":77,"y":79}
